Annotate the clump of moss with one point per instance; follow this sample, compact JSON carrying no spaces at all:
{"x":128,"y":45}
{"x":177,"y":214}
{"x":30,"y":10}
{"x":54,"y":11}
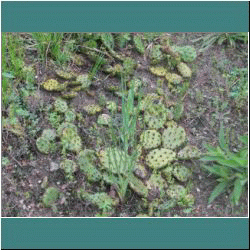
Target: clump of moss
{"x":50,"y":197}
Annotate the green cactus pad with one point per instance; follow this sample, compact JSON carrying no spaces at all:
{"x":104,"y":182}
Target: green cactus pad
{"x":156,"y":54}
{"x":184,"y":70}
{"x":43,"y":145}
{"x":78,"y":60}
{"x":60,"y":106}
{"x":181,"y":173}
{"x":176,"y":192}
{"x":84,"y":81}
{"x":173,"y":137}
{"x":92,"y":109}
{"x":69,"y":168}
{"x":173,"y":78}
{"x":69,"y":94}
{"x":49,"y":134}
{"x":158,"y":71}
{"x":86,"y":160}
{"x":65,"y":75}
{"x":167,"y":173}
{"x":189,"y":152}
{"x":50,"y":197}
{"x":116,"y":161}
{"x":138,"y":186}
{"x":65,"y":125}
{"x":187,"y":53}
{"x":157,"y":185}
{"x":104,"y":119}
{"x":159,"y":158}
{"x":140,"y":171}
{"x":150,"y":139}
{"x":70,"y":116}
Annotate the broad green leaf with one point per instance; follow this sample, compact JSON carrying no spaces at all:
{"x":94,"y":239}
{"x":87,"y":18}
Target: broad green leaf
{"x":219,"y":189}
{"x":218,"y":170}
{"x":236,"y":194}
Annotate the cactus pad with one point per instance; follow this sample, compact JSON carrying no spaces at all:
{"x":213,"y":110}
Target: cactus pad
{"x":181,"y":173}
{"x":50,"y":197}
{"x":54,"y":85}
{"x":184,"y":70}
{"x":187,"y":53}
{"x":92,"y":109}
{"x":138,"y":186}
{"x":157,"y":185}
{"x":167,"y":173}
{"x":176,"y":192}
{"x":173,"y":137}
{"x":83,"y":80}
{"x":189,"y":152}
{"x":159,"y":158}
{"x":158,"y":71}
{"x":69,"y":168}
{"x":60,"y":105}
{"x":150,"y":139}
{"x":65,"y":75}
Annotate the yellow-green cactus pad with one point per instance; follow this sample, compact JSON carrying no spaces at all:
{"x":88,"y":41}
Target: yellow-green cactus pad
{"x":86,"y":160}
{"x":181,"y":173}
{"x":92,"y":109}
{"x":138,"y":186}
{"x":65,"y":75}
{"x":70,"y":140}
{"x":104,"y":119}
{"x":189,"y":152}
{"x":78,"y":60}
{"x":158,"y":71}
{"x":159,"y":158}
{"x":173,"y":137}
{"x":173,"y":78}
{"x":157,"y":185}
{"x":54,"y":85}
{"x":43,"y":145}
{"x":148,"y":100}
{"x":76,"y":89}
{"x":140,"y":171}
{"x":49,"y":134}
{"x":176,"y":192}
{"x":65,"y":125}
{"x":102,"y":200}
{"x":60,"y":105}
{"x":84,"y":81}
{"x":150,"y":139}
{"x":69,"y":168}
{"x":116,"y":161}
{"x":69,"y":95}
{"x":167,"y":173}
{"x":184,"y":70}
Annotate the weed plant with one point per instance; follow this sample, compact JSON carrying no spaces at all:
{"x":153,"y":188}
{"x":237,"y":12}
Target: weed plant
{"x":230,"y":168}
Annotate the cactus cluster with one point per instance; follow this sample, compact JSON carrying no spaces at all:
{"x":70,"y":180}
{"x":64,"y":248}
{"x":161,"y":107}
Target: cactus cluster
{"x":45,"y":143}
{"x":159,"y":158}
{"x":150,"y":139}
{"x":60,"y":105}
{"x":173,"y":137}
{"x":86,"y":160}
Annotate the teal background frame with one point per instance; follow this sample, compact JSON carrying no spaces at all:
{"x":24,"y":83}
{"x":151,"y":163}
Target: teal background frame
{"x":161,"y":233}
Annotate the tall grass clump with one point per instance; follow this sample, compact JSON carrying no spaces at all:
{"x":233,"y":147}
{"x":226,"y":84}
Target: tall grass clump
{"x":124,"y":138}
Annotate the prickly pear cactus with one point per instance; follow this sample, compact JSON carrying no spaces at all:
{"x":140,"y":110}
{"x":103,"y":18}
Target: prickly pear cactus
{"x":167,"y":173}
{"x":174,"y":137}
{"x":92,"y":109}
{"x":140,"y":171}
{"x":138,"y":186}
{"x":69,"y":168}
{"x":155,"y":115}
{"x":176,"y":192}
{"x":69,"y":94}
{"x":70,"y":140}
{"x":65,"y":125}
{"x":157,"y":186}
{"x":43,"y":145}
{"x":184,"y":70}
{"x":54,"y":85}
{"x":70,"y":116}
{"x":102,"y":200}
{"x":159,"y":158}
{"x":173,"y":79}
{"x":158,"y":71}
{"x":65,"y":75}
{"x":86,"y":160}
{"x":104,"y":119}
{"x":181,"y":173}
{"x":78,"y":60}
{"x":139,"y":44}
{"x":150,"y":139}
{"x":187,"y":53}
{"x":112,"y":106}
{"x":60,"y":106}
{"x":116,"y":161}
{"x":83,"y":80}
{"x":156,"y":54}
{"x":49,"y":134}
{"x":189,"y":152}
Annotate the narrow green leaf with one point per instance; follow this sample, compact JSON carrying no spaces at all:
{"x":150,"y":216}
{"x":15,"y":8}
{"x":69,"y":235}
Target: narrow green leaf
{"x":218,"y":170}
{"x":219,"y":189}
{"x":236,"y":194}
